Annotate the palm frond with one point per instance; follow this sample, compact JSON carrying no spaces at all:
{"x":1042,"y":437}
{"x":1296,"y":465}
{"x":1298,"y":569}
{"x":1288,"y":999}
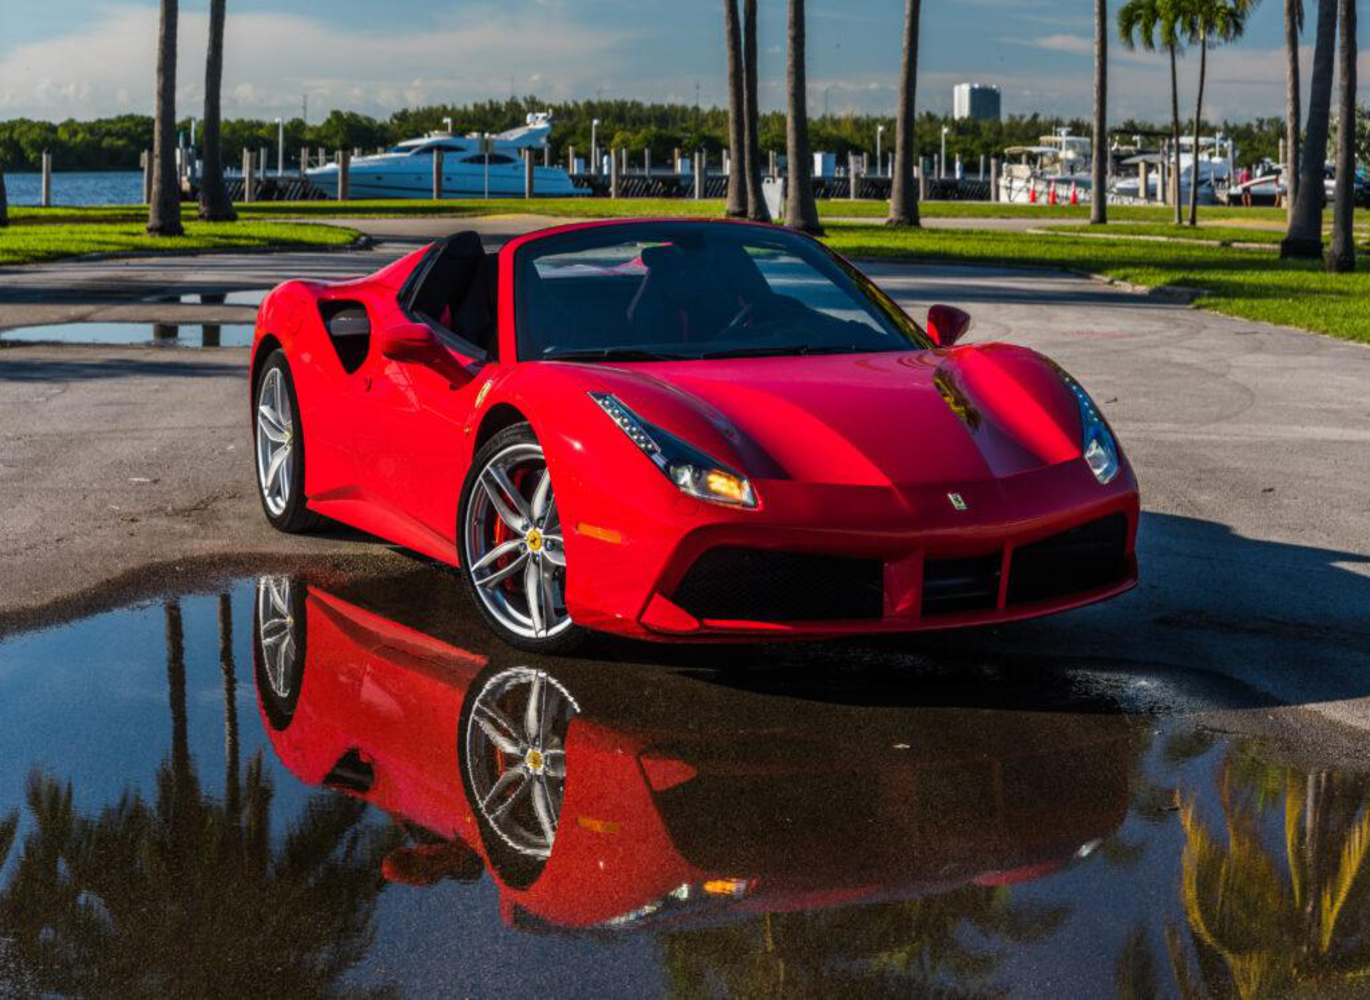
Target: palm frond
{"x":1334,"y":896}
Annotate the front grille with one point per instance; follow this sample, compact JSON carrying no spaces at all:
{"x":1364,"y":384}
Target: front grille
{"x":951,"y":585}
{"x":1084,"y":558}
{"x":740,"y":584}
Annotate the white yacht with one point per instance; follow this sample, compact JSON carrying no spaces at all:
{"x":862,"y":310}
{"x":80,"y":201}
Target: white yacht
{"x":406,"y":170}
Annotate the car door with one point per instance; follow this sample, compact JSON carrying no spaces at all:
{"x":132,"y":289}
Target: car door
{"x":411,"y":428}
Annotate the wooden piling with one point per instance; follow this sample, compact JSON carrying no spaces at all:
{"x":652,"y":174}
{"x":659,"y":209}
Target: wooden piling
{"x":47,"y":179}
{"x":994,"y":178}
{"x":437,"y":175}
{"x":613,"y":173}
{"x":249,"y":177}
{"x":344,"y":166}
{"x":145,"y":161}
{"x":699,"y":167}
{"x":528,"y":173}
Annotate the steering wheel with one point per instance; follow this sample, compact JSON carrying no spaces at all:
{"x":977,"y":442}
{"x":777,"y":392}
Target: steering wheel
{"x":760,"y":311}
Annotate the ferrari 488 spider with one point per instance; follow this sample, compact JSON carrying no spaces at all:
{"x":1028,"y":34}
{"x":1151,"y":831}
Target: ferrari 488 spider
{"x":686,"y":430}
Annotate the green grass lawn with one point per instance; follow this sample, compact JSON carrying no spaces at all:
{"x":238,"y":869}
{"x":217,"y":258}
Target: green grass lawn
{"x":1252,"y":284}
{"x":25,"y":243}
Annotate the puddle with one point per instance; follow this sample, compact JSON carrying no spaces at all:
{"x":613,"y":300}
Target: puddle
{"x":158,"y":334}
{"x":240,"y":297}
{"x":347,"y":788}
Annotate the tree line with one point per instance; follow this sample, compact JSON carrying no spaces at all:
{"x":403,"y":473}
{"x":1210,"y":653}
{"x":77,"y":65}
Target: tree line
{"x":117,"y":143}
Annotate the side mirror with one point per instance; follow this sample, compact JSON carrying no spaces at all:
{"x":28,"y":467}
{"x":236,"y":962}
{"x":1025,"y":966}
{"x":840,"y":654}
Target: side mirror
{"x":947,"y":324}
{"x":407,"y":342}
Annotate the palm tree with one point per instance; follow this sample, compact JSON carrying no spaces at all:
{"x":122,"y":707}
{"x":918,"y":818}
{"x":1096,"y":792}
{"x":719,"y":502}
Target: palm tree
{"x":737,"y":157}
{"x":1278,"y":926}
{"x":800,"y":210}
{"x":1304,"y":237}
{"x":756,"y":201}
{"x":214,"y":203}
{"x":164,"y":214}
{"x":904,"y":193}
{"x":1209,"y":23}
{"x":1293,"y":110}
{"x":1342,"y":257}
{"x":1098,"y":205}
{"x":1155,"y":24}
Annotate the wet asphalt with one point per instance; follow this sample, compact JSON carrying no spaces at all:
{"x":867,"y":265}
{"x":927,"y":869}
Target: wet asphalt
{"x":286,"y":784}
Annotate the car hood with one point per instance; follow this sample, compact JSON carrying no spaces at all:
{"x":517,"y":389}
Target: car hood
{"x":909,"y":418}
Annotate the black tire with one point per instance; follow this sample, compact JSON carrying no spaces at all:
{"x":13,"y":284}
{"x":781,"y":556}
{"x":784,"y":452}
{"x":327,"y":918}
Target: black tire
{"x":562,"y":643}
{"x":295,"y":517}
{"x":279,"y":688}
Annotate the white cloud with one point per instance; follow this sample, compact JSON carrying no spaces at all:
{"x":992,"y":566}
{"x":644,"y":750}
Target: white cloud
{"x":273,"y":59}
{"x":1056,"y":43}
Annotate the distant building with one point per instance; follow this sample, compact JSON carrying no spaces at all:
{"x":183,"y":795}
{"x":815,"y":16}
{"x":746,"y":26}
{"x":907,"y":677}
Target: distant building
{"x":975,"y":100}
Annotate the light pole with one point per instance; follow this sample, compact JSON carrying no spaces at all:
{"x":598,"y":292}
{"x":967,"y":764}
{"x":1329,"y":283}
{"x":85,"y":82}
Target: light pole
{"x":280,"y":147}
{"x":826,"y":91}
{"x":942,"y":163}
{"x":448,"y":123}
{"x":879,"y":160}
{"x":594,"y":147}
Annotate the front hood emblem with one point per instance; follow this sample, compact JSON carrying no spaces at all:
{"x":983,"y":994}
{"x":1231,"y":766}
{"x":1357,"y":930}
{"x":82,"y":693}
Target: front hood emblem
{"x":958,"y":502}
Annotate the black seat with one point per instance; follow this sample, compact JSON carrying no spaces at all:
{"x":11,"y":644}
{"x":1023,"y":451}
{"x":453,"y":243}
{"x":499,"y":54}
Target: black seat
{"x":680,"y":300}
{"x":449,"y":276}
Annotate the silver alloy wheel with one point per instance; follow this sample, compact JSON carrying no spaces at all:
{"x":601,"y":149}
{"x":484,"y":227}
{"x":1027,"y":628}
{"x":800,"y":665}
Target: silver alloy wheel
{"x":516,"y":756}
{"x":275,"y":441}
{"x":276,"y":631}
{"x":514,"y":544}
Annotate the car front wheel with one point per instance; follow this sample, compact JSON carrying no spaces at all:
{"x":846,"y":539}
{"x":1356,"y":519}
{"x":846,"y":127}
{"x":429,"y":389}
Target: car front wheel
{"x":512,"y":552}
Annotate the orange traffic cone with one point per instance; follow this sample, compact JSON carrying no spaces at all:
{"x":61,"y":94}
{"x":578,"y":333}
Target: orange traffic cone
{"x":1032,"y":193}
{"x":1051,"y":194}
{"x":1074,"y":195}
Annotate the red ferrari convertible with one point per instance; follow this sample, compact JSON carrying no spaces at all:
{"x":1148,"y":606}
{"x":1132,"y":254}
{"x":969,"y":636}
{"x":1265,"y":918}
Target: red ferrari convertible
{"x":686,"y":430}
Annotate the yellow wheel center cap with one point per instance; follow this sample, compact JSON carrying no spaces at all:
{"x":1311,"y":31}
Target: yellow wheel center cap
{"x":534,"y":760}
{"x":534,"y":540}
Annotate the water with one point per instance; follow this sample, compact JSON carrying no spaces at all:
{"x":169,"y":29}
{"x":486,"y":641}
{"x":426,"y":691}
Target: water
{"x":285,"y":787}
{"x":80,"y":187}
{"x":160,"y":334}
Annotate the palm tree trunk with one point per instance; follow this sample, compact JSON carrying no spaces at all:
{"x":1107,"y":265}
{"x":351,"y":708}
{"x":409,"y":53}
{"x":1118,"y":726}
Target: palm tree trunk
{"x":1293,"y":109}
{"x":1098,"y":199}
{"x":231,"y":741}
{"x":164,"y":215}
{"x":1198,"y":125}
{"x":1304,"y":238}
{"x":904,"y":192}
{"x":1342,"y":257}
{"x":800,"y":210}
{"x":737,"y":193}
{"x":214,"y":203}
{"x":1175,"y":136}
{"x":176,"y":694}
{"x":756,"y":200}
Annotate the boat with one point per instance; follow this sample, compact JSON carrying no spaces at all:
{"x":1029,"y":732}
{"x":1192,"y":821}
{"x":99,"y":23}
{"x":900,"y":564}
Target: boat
{"x":473,"y":166}
{"x":1064,"y":163}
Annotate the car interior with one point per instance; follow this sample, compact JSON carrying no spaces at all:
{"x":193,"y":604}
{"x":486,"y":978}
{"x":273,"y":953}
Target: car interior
{"x":457,"y":292}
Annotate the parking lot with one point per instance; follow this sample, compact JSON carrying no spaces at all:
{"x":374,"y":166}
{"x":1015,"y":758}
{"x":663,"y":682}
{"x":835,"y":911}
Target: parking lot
{"x":126,"y":480}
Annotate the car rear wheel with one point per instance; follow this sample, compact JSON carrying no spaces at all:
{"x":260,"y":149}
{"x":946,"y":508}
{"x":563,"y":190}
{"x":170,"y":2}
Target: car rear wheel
{"x":278,"y":647}
{"x":279,"y":446}
{"x":512,"y":553}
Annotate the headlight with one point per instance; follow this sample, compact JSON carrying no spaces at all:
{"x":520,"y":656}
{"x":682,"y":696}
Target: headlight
{"x":1100,"y":450}
{"x":689,"y":468}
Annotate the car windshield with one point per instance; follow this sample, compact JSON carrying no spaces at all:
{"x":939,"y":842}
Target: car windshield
{"x":665,"y":291}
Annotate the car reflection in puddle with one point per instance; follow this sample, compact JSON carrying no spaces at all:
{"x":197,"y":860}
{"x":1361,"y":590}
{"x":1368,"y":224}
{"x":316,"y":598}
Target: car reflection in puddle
{"x":362,"y":793}
{"x":596,"y":807}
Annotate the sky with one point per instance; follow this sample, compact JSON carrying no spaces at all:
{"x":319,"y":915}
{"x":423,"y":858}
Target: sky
{"x":90,"y":58}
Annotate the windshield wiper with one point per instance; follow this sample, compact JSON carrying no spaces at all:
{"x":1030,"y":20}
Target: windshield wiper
{"x":782,"y":350}
{"x":614,"y":354}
